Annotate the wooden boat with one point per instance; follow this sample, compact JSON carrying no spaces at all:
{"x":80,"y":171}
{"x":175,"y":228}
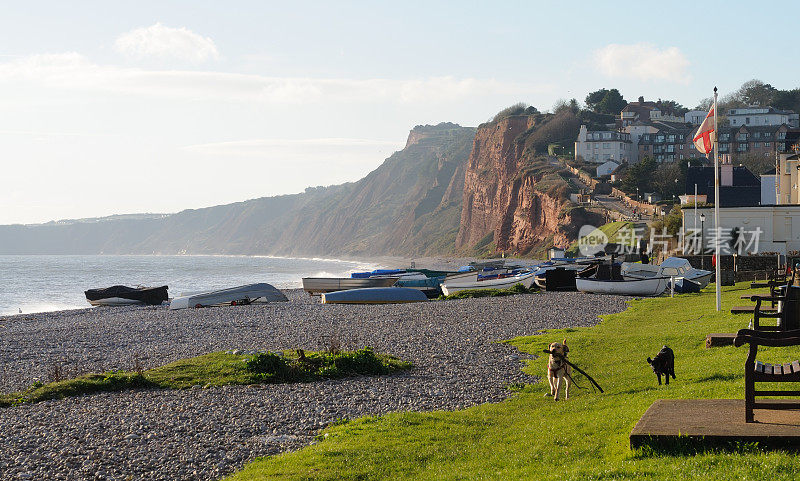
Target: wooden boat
{"x":319,"y":285}
{"x":374,"y":295}
{"x":126,"y":296}
{"x":556,"y":278}
{"x":623,"y":287}
{"x":499,"y":282}
{"x":235,"y":296}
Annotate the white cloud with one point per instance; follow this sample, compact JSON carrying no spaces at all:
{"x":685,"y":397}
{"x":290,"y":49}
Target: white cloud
{"x":166,"y":43}
{"x":643,"y":61}
{"x":74,"y":72}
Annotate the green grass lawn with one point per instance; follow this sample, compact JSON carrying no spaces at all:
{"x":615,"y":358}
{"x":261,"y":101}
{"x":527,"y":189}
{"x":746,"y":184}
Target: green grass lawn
{"x":532,"y":437}
{"x":215,"y":369}
{"x":612,"y":232}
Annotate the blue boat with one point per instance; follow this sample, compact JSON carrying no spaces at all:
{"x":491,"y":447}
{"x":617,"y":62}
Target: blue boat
{"x":374,"y":295}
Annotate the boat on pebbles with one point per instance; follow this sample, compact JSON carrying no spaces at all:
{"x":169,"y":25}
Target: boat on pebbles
{"x":608,"y":279}
{"x":127,"y":296}
{"x":319,"y":285}
{"x":235,"y":296}
{"x":473,"y":280}
{"x":375,"y":295}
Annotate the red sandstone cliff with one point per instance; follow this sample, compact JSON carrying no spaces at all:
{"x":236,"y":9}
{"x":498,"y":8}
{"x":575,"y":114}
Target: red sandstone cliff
{"x":513,"y":202}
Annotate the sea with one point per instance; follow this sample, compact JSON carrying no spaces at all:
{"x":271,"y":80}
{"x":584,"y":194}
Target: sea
{"x":42,"y":283}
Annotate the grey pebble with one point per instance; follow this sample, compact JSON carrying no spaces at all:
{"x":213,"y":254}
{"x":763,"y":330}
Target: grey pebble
{"x":202,"y":434}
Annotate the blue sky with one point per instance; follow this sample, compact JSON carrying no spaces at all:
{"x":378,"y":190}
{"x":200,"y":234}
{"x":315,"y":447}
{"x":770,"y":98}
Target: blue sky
{"x":120,"y":107}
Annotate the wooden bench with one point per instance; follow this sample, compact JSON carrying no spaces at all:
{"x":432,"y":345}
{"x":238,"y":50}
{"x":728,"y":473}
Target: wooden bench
{"x":751,"y":309}
{"x":787,"y":314}
{"x":758,"y":372}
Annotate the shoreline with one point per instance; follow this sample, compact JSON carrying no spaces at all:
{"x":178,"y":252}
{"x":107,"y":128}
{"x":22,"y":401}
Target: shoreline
{"x":389,"y":262}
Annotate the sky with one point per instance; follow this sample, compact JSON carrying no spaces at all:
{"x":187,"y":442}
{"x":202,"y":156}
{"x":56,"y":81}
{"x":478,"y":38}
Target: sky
{"x":159,"y":106}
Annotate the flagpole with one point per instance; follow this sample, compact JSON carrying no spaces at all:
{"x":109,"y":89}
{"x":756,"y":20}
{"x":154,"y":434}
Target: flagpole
{"x":716,"y":204}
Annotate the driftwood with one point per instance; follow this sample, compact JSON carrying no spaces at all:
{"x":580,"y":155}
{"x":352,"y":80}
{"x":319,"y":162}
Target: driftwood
{"x":590,"y":378}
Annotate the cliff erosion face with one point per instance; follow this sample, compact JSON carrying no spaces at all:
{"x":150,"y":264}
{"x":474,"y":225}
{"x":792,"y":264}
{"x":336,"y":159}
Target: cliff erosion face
{"x":513,"y":203}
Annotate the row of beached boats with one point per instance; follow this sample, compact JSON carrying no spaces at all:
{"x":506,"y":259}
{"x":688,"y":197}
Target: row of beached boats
{"x":590,"y":274}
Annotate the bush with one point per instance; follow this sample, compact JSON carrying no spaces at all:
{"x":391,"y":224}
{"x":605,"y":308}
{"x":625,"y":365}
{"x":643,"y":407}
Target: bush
{"x":363,"y":362}
{"x":267,"y":364}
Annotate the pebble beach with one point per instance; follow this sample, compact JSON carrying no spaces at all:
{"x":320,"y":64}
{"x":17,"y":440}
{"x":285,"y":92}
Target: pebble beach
{"x":203,"y":434}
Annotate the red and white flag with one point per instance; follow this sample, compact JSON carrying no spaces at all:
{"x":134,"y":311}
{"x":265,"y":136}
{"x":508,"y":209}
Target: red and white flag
{"x":705,"y":136}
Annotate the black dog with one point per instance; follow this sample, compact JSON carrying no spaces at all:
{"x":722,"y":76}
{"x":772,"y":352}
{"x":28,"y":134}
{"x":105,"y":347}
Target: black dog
{"x":664,"y":363}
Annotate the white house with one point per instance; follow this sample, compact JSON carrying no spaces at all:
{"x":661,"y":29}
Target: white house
{"x":771,"y":228}
{"x":607,"y":168}
{"x":755,"y":116}
{"x":601,"y":146}
{"x":695,"y":117}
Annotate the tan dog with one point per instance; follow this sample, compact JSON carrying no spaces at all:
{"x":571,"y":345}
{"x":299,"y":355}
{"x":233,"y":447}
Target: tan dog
{"x":557,"y":369}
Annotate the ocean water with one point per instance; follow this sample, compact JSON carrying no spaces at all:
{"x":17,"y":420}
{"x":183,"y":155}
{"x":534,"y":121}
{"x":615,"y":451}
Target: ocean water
{"x":48,"y":283}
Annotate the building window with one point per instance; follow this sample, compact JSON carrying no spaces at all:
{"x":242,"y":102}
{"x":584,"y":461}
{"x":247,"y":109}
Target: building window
{"x":681,"y":147}
{"x":747,"y":120}
{"x":767,"y":144}
{"x":605,"y":145}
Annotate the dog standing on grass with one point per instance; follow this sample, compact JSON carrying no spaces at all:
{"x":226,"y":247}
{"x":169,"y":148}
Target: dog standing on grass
{"x":663,"y":363}
{"x":558,"y":369}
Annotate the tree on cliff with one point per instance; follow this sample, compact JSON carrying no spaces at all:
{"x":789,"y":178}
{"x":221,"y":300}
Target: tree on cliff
{"x":519,"y":108}
{"x":606,"y":101}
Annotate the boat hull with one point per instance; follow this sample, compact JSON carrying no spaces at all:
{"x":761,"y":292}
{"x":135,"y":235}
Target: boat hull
{"x":501,"y":283}
{"x":126,"y":296}
{"x":635,"y":287}
{"x":374,"y":295}
{"x":319,"y":285}
{"x":234,"y":296}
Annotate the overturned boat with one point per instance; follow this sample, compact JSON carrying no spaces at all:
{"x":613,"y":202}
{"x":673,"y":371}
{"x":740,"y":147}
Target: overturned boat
{"x":127,"y":296}
{"x":375,"y":295}
{"x":235,"y":296}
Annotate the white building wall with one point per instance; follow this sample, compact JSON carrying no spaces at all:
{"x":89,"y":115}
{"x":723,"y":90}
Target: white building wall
{"x":779,"y":225}
{"x":758,"y":119}
{"x":695,"y":116}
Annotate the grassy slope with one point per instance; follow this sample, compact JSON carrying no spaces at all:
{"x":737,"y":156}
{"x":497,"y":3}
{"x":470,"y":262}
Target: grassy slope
{"x":611,"y":230}
{"x":586,"y":437}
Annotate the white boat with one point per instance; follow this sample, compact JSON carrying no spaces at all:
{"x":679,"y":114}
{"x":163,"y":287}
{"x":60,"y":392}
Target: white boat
{"x":622,"y":287}
{"x":676,"y":267}
{"x":318,"y":285}
{"x":234,"y":296}
{"x":462,"y":284}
